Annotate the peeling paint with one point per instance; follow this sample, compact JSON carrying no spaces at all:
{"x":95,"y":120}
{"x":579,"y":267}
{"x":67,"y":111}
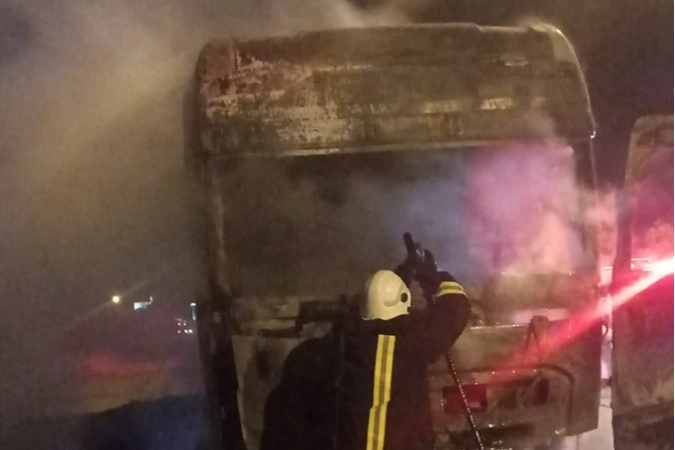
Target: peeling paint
{"x":477,"y":354}
{"x":306,"y":98}
{"x":498,"y":103}
{"x":405,"y":88}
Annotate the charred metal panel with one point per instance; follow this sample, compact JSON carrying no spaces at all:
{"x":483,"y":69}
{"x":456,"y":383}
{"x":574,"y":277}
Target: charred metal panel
{"x":642,"y":353}
{"x":506,"y":293}
{"x":397,"y":88}
{"x":496,"y":356}
{"x":642,"y":370}
{"x":259,"y":362}
{"x":648,"y":195}
{"x":651,"y":145}
{"x":649,"y":428}
{"x":390,"y":86}
{"x":643,"y":349}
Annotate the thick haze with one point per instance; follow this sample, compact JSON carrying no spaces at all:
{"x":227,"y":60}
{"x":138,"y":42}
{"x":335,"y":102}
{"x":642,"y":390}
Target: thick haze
{"x":320,"y":226}
{"x":92,"y":196}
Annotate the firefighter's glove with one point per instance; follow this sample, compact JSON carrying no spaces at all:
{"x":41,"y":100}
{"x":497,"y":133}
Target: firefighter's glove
{"x":429,"y":282}
{"x":407,"y":270}
{"x":428,"y":263}
{"x":427,"y":274}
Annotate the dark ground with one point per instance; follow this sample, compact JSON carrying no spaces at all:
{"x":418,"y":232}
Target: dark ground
{"x":171,"y":423}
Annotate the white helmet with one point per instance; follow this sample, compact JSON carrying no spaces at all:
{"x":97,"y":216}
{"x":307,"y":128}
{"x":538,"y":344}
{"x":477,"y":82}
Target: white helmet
{"x":387,"y":296}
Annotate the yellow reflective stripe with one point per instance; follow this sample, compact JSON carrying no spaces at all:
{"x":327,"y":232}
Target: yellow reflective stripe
{"x":376,"y":392}
{"x":450,"y":291}
{"x":388,"y":369}
{"x":450,"y":287}
{"x":377,"y":418}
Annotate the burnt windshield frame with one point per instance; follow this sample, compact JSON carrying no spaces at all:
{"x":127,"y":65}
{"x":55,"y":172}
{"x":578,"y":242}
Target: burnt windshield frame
{"x":299,"y":168}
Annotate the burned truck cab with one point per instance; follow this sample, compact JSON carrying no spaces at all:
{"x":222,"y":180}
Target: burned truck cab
{"x":319,"y":150}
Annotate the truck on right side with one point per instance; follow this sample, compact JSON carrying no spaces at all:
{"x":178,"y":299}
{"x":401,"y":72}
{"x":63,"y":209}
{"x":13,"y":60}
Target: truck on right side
{"x":642,"y":293}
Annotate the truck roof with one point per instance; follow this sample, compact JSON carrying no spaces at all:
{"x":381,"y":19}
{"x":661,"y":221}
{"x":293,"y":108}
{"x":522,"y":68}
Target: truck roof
{"x":416,"y":86}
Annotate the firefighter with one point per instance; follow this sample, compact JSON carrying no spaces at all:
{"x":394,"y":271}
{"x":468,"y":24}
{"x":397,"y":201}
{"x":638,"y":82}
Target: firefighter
{"x":383,"y":395}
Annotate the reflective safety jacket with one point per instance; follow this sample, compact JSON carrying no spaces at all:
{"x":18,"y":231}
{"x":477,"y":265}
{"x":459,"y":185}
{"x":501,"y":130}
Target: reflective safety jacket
{"x":383,"y":401}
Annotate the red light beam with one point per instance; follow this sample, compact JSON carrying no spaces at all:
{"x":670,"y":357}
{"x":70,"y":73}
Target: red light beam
{"x":560,"y":336}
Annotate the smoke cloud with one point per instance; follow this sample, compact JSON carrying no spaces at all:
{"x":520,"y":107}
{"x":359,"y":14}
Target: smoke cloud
{"x":321,"y":225}
{"x":93,"y":198}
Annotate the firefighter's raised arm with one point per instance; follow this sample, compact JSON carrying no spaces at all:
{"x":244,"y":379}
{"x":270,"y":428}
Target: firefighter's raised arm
{"x":447,"y":316}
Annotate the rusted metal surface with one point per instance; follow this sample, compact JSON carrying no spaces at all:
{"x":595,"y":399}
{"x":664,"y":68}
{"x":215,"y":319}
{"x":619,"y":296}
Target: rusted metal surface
{"x":483,"y":354}
{"x":643,"y":350}
{"x":410,"y":85}
{"x":642,"y":370}
{"x":649,"y":428}
{"x":642,"y":354}
{"x":496,"y":355}
{"x":650,"y":145}
{"x":551,"y":291}
{"x":648,"y":186}
{"x":405,"y":89}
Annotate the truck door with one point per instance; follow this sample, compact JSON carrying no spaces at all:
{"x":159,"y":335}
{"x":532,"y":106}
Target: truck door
{"x":642,"y":293}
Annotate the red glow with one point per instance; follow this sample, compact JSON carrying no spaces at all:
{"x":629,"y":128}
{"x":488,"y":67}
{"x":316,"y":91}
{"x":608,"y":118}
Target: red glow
{"x":102,"y":364}
{"x":476,"y":396}
{"x":664,"y":267}
{"x":555,"y":339}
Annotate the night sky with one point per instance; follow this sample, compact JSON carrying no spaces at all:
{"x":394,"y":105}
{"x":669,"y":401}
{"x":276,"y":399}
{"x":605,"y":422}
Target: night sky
{"x":92,"y":196}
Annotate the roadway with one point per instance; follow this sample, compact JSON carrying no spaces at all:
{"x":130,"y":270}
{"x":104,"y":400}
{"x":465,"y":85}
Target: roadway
{"x":106,"y":380}
{"x":97,"y":380}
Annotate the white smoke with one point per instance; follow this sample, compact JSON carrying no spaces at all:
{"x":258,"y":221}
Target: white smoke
{"x":92,"y":190}
{"x":515,"y":209}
